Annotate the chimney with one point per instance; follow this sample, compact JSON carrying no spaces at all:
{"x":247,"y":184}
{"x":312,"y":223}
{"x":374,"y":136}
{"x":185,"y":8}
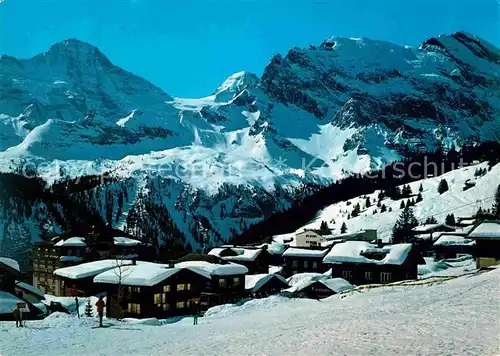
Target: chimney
{"x":134,"y":261}
{"x":379,"y":243}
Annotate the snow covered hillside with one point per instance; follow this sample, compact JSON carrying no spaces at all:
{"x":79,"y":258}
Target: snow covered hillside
{"x":222,"y":162}
{"x":455,"y":200}
{"x":456,"y":317}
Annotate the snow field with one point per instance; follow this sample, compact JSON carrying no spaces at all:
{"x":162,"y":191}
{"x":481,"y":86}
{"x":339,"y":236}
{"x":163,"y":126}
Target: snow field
{"x":459,"y":317}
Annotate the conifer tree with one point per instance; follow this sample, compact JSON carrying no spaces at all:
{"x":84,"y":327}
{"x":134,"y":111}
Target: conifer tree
{"x":430,"y":220}
{"x":383,"y":208}
{"x":368,"y":203}
{"x":421,"y":188}
{"x":450,"y":220}
{"x":419,"y":198}
{"x":403,"y":229}
{"x":496,"y":203}
{"x":343,"y":228}
{"x":88,"y":309}
{"x":402,"y":206}
{"x":443,"y":186}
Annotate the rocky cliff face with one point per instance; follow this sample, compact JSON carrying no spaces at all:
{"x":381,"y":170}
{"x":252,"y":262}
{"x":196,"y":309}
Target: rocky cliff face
{"x":205,"y":168}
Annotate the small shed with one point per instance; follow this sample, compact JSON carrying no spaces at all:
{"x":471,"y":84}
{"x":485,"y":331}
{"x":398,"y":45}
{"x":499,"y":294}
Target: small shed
{"x":262,"y":285}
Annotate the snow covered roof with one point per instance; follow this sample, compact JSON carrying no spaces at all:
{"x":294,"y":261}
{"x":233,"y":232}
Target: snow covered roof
{"x":337,"y":285}
{"x":89,"y":269}
{"x":467,"y":221}
{"x":302,"y":252}
{"x":254,"y":282}
{"x":30,"y":288}
{"x":352,"y":251}
{"x":10,"y":262}
{"x":242,"y":254}
{"x":125,"y":241}
{"x":275,"y":248}
{"x":454,"y":240}
{"x":72,"y":241}
{"x":486,"y":230}
{"x":213,"y":268}
{"x":141,"y":274}
{"x":275,"y":269}
{"x":430,"y":227}
{"x":301,"y":278}
{"x":8,"y":303}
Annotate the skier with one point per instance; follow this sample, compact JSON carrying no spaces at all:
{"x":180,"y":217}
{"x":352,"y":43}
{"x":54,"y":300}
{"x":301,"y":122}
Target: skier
{"x":100,"y":309}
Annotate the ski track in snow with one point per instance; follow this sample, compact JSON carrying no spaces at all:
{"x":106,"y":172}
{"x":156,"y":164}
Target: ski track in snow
{"x":457,"y":317}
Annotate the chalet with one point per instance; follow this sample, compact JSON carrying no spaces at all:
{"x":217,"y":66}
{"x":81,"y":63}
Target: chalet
{"x":487,"y":237}
{"x":80,"y":277}
{"x":263,"y":285}
{"x":318,"y":288}
{"x":452,"y":245}
{"x":9,"y":272}
{"x":360,"y":262}
{"x":308,"y":238}
{"x":254,"y":258}
{"x":226,"y":285}
{"x":426,"y":235}
{"x":148,"y":289}
{"x":299,"y":260}
{"x":62,"y":252}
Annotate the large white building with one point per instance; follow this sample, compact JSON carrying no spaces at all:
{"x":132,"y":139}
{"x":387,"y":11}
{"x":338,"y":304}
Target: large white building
{"x":308,"y":238}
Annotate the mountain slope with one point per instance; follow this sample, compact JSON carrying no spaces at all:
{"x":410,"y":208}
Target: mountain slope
{"x":219,"y":163}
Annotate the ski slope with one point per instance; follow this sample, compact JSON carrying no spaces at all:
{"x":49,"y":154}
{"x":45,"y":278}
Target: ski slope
{"x":456,"y":317}
{"x":455,"y":200}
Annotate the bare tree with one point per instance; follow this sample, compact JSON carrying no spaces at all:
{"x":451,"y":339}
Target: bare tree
{"x":121,"y":271}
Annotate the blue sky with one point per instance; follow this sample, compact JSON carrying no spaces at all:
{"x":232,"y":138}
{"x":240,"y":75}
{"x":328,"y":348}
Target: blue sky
{"x":189,"y":47}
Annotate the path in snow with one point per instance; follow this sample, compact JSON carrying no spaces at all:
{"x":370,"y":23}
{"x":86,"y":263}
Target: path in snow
{"x":459,"y":317}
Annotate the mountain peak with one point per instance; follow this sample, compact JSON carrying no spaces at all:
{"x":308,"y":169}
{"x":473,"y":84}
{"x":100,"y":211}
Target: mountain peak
{"x":76,"y":50}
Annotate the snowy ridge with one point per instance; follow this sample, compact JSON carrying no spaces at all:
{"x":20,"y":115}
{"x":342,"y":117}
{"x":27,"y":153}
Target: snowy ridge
{"x":455,"y":200}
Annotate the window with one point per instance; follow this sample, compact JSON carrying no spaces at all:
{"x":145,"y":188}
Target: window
{"x":180,"y":305}
{"x":181,"y":286}
{"x":166,"y":289}
{"x":385,"y":277}
{"x":347,"y":274}
{"x":134,"y":308}
{"x":306,"y":264}
{"x":157,"y":298}
{"x":368,"y":276}
{"x":315,"y":264}
{"x":222,"y":283}
{"x":188,"y":286}
{"x":163,"y":298}
{"x":295,"y":263}
{"x":166,"y":307}
{"x":237,"y":281}
{"x":134,"y":289}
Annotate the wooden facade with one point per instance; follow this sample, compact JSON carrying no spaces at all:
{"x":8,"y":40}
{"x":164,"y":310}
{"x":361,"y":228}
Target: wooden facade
{"x":222,"y":290}
{"x":175,"y":296}
{"x":300,"y":263}
{"x":442,"y":252}
{"x":375,"y":273}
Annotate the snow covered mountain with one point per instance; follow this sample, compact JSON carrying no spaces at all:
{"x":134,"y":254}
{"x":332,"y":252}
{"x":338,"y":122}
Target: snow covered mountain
{"x":456,"y":201}
{"x":219,"y":163}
